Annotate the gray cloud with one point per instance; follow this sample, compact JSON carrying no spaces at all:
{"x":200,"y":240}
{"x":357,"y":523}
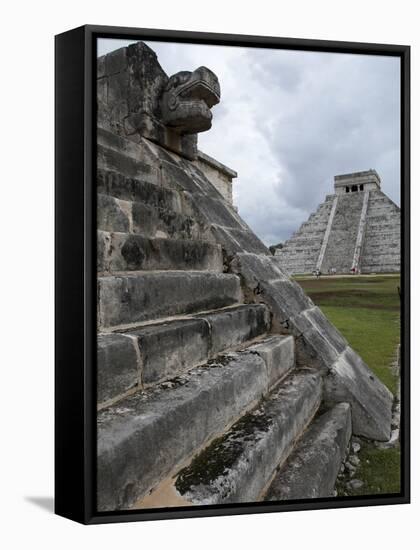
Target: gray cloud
{"x":344,"y":120}
{"x":289,"y":121}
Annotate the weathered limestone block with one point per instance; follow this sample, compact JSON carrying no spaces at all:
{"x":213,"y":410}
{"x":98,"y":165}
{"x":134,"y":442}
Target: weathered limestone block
{"x":113,"y":214}
{"x":234,"y":326}
{"x":237,"y":466}
{"x":220,"y":175}
{"x":136,"y":253}
{"x":138,"y":190}
{"x":103,"y":242}
{"x":284,"y":297}
{"x":179,"y":176}
{"x":139,"y":151}
{"x":216,"y":211}
{"x":257,"y":268}
{"x":351,"y":380}
{"x":278,"y":353}
{"x":312,"y":468}
{"x":117,"y":366}
{"x":129,"y":299}
{"x":237,"y":240}
{"x":167,"y":349}
{"x":263,"y":276}
{"x":143,"y":437}
{"x":153,"y":221}
{"x":119,"y":163}
{"x":319,"y":342}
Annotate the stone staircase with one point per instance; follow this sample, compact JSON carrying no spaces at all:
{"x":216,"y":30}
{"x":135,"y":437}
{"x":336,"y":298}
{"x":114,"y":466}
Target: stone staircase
{"x":200,"y":397}
{"x":381,"y":250}
{"x":300,"y":253}
{"x":344,"y":229}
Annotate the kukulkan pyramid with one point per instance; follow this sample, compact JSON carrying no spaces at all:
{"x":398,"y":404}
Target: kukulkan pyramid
{"x":355,"y":230}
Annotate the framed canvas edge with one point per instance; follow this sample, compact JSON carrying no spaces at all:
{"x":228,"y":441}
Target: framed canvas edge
{"x":75,"y":418}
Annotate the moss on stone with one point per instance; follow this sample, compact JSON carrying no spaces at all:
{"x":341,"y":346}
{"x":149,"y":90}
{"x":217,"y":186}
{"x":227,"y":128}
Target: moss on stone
{"x":216,"y":460}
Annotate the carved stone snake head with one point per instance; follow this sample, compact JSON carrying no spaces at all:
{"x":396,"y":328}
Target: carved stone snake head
{"x":187,"y":101}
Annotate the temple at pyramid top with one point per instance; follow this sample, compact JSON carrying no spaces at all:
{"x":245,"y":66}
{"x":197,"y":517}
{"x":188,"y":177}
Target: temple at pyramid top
{"x":355,"y":230}
{"x":356,"y":182}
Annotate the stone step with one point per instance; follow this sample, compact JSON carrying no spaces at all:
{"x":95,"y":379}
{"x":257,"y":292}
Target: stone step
{"x":387,"y":223}
{"x":147,"y":435}
{"x":379,"y":266}
{"x":166,"y":349}
{"x":387,"y":268}
{"x":114,"y":184}
{"x":390,"y":232}
{"x":151,"y":221}
{"x":136,"y":150}
{"x":117,"y":366}
{"x":312,"y":468}
{"x":133,"y":298}
{"x":233,"y":326}
{"x":129,"y":252}
{"x":278,"y":353}
{"x":136,"y":217}
{"x":237,"y":466}
{"x":130,"y":205}
{"x":112,"y":160}
{"x":391,"y":252}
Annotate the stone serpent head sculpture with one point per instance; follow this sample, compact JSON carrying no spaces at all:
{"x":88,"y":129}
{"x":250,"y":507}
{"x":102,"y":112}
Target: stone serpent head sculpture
{"x":187,"y":101}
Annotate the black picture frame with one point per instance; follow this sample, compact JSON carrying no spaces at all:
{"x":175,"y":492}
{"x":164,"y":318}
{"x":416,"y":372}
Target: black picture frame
{"x":75,"y":272}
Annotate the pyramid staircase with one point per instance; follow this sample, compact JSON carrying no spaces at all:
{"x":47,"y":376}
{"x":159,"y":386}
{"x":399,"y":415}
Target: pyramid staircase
{"x":201,"y":398}
{"x":341,"y":244}
{"x":381,"y":251}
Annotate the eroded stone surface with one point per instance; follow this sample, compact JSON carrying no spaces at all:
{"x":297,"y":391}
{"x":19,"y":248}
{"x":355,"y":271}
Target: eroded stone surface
{"x":351,"y":380}
{"x":117,"y":366}
{"x":234,"y":326}
{"x":312,"y":468}
{"x":128,"y":252}
{"x":237,"y":466}
{"x":112,"y":214}
{"x":167,"y":349}
{"x":144,"y":296}
{"x":143,"y":437}
{"x":278,"y":353}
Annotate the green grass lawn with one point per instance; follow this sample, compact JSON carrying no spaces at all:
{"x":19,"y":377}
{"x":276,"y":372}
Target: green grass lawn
{"x":366,"y":310}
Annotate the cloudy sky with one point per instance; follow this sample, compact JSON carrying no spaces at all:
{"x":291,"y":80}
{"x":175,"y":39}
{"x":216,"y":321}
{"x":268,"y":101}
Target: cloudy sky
{"x":289,"y":121}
